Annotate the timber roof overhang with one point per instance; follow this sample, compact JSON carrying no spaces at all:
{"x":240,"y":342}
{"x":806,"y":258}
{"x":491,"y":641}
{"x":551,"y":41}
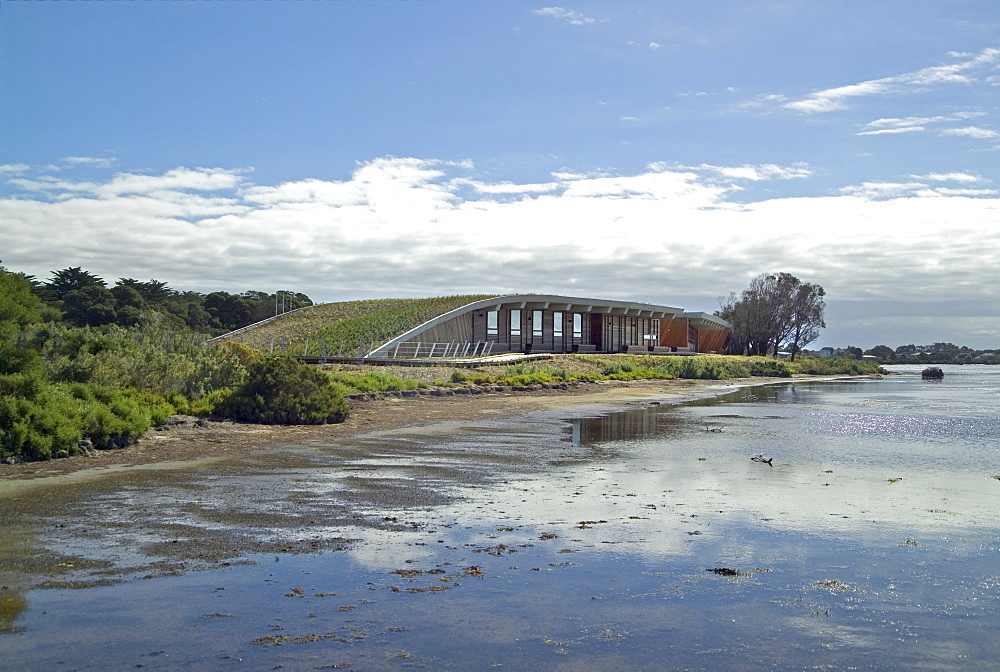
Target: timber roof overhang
{"x":702,"y":321}
{"x":569,"y":304}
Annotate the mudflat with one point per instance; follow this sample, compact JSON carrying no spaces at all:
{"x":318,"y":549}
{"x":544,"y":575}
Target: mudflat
{"x":189,"y":441}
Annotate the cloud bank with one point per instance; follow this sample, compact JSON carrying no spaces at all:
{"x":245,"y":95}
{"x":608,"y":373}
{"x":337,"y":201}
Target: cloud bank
{"x":418,"y":227}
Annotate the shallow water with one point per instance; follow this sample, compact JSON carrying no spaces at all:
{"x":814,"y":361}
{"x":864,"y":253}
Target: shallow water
{"x":871,"y":542}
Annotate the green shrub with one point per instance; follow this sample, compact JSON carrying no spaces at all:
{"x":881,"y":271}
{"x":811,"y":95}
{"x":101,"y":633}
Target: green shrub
{"x":769,"y":368}
{"x":616,"y":367}
{"x":53,"y":420}
{"x":373,"y":381}
{"x":206,"y":405}
{"x":284,"y":391}
{"x":835,"y":365}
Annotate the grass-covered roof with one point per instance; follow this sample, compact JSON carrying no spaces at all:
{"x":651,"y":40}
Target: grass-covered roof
{"x":343,"y":325}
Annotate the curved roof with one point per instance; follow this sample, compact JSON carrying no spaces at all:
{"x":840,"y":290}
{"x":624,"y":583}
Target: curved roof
{"x":569,"y":304}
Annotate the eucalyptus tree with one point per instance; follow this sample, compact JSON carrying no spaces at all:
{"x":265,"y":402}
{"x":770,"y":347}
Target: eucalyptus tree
{"x":776,"y":309}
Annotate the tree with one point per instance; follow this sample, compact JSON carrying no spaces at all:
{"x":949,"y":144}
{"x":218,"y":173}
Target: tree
{"x":17,"y":302}
{"x":231,"y":310}
{"x":776,"y":309}
{"x":854,"y":352}
{"x":883,"y":352}
{"x":70,"y":280}
{"x":153,"y":292}
{"x":89,"y":306}
{"x":805,"y":315}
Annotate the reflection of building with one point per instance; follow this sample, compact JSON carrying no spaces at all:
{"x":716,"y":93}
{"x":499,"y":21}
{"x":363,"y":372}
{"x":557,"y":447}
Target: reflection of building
{"x":543,"y":323}
{"x":623,"y":426}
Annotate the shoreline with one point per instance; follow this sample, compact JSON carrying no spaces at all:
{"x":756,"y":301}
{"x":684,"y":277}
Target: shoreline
{"x":189,"y":442}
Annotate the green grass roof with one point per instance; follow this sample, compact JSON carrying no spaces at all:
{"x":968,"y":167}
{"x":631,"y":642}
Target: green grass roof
{"x":343,"y":325}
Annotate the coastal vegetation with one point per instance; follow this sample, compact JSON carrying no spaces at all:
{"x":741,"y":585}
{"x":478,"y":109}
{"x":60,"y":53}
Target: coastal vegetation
{"x":84,"y":367}
{"x":284,"y":391}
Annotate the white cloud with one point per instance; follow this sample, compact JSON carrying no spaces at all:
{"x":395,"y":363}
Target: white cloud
{"x":412,"y":227}
{"x":895,"y":131}
{"x":764,"y":100}
{"x":881,"y":190}
{"x":949,"y":177}
{"x":756,"y":173}
{"x":199,"y":179}
{"x":972,"y":132}
{"x":14,"y":168}
{"x":91,"y":161}
{"x":46,"y":183}
{"x":837,"y":98}
{"x":945,"y":191}
{"x":506,"y":187}
{"x":895,"y":125}
{"x":890,"y":190}
{"x":568,"y":15}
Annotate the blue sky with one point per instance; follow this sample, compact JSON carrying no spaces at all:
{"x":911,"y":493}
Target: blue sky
{"x":658,"y":151}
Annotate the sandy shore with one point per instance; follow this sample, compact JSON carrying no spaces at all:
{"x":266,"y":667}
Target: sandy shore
{"x":190,"y":441}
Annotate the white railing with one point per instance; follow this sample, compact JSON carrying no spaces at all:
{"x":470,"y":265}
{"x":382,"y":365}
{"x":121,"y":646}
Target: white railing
{"x":452,"y":350}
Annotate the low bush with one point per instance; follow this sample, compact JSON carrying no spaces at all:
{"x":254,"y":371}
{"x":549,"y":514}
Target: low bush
{"x":769,"y":368}
{"x":283,"y":391}
{"x":617,"y":367}
{"x":40,"y":420}
{"x":373,"y":381}
{"x":835,"y":365}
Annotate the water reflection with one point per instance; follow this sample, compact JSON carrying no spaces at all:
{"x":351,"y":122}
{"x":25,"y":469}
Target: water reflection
{"x":624,"y":426}
{"x":11,"y":606}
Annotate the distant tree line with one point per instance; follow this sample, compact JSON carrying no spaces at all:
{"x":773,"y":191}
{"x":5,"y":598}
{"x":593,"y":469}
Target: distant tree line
{"x":83,"y":299}
{"x":936,"y":353}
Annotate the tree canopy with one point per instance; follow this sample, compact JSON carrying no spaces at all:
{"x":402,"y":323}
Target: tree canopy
{"x":83,"y":299}
{"x":777,"y":310}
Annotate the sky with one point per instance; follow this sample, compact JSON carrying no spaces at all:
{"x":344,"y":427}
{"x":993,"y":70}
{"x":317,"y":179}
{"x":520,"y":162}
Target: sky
{"x":647,"y":150}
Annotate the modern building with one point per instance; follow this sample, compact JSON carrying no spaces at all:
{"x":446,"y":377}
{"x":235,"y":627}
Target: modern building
{"x":533,"y":323}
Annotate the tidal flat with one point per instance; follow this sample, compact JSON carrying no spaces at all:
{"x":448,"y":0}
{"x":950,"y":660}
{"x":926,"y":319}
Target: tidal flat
{"x":584,"y":533}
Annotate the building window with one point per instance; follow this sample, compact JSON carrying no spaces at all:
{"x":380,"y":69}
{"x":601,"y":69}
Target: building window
{"x":557,"y":324}
{"x":491,"y":324}
{"x":577,"y":325}
{"x":515,"y":323}
{"x":536,"y":324}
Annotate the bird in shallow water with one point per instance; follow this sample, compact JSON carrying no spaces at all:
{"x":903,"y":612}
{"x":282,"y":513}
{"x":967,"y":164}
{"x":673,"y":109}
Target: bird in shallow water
{"x":759,"y":457}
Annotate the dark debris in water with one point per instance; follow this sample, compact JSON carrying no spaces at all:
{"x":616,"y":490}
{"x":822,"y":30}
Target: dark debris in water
{"x":833,"y":584}
{"x":587,"y":524}
{"x":498,"y":550}
{"x":729,"y":571}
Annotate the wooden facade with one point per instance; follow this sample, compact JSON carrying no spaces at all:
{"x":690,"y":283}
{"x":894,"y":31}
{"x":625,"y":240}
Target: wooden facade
{"x":694,"y":332}
{"x":547,"y":324}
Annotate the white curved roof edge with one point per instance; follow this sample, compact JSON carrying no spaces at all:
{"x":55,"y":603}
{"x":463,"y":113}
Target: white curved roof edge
{"x":568,"y":304}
